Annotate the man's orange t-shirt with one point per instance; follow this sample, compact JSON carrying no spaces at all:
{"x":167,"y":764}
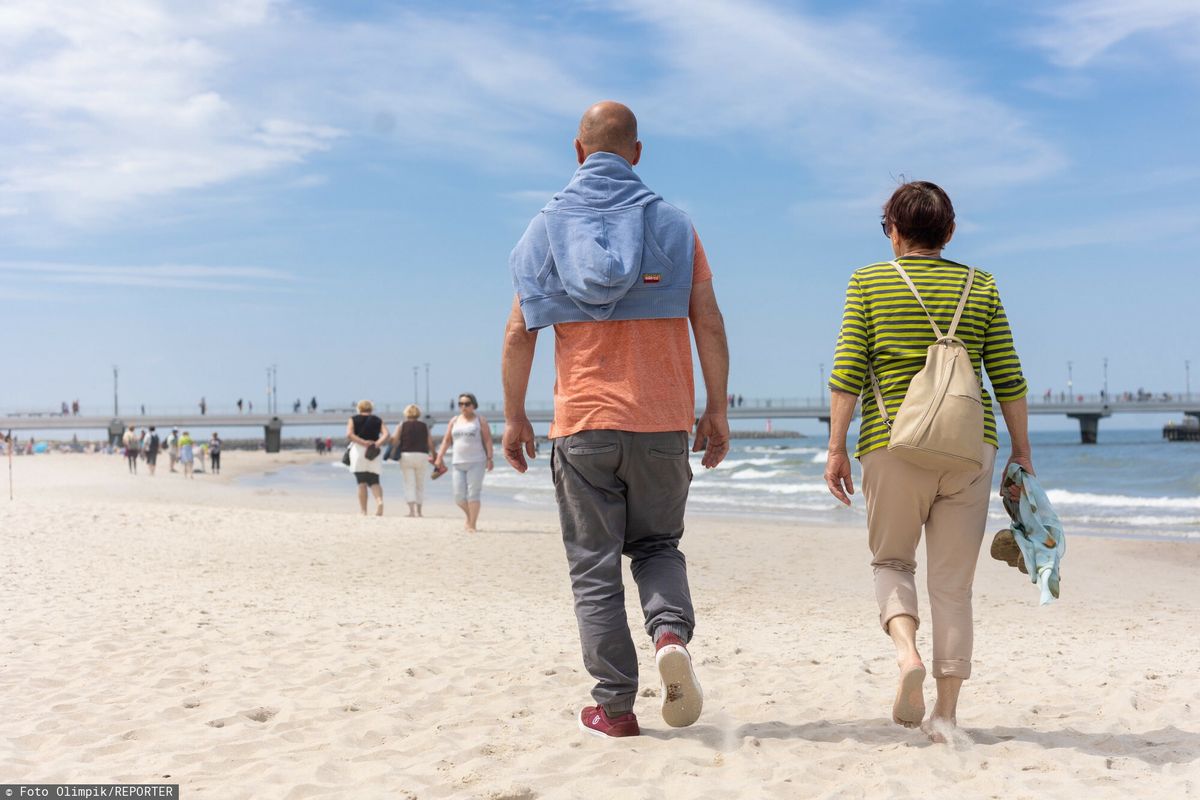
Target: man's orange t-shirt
{"x":628,"y":375}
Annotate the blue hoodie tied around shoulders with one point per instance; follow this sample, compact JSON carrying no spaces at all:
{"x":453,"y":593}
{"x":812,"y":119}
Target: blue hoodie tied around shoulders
{"x":604,"y":248}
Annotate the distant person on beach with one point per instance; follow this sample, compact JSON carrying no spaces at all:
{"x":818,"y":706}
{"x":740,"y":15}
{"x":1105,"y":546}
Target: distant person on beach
{"x":173,"y":448}
{"x":132,"y":448}
{"x":187,"y":455}
{"x":413,"y":444}
{"x":472,"y":438}
{"x":884,"y":325}
{"x":627,"y":274}
{"x":214,"y":453}
{"x":150,"y":446}
{"x":367,"y":434}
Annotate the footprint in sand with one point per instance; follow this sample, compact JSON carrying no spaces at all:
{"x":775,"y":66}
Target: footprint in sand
{"x":260,"y":714}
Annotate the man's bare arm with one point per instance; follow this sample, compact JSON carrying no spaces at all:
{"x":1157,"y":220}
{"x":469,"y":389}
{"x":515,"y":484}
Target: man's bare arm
{"x":708,"y":326}
{"x":516,"y":364}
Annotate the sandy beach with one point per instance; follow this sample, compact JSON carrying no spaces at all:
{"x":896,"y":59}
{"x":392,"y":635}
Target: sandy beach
{"x":255,"y":643}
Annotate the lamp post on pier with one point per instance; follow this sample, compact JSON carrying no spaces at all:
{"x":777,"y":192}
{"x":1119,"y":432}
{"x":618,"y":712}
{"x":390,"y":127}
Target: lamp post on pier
{"x":821,"y":382}
{"x":1187,"y":378}
{"x":116,"y":413}
{"x":426,"y":387}
{"x":416,"y":390}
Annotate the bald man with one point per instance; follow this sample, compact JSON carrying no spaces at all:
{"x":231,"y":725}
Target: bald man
{"x":619,"y":274}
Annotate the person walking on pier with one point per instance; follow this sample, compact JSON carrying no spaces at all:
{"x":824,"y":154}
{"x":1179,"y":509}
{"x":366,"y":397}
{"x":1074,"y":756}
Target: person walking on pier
{"x":239,"y":405}
{"x":367,"y":433}
{"x":132,"y":447}
{"x":888,"y":306}
{"x":627,"y":274}
{"x":472,"y":438}
{"x":413,"y":446}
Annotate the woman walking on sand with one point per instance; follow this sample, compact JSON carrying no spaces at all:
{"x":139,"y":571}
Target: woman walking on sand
{"x":472,"y":456}
{"x":414,"y":445}
{"x":214,"y":454}
{"x":187,"y":455}
{"x":367,"y":433}
{"x":892,"y":310}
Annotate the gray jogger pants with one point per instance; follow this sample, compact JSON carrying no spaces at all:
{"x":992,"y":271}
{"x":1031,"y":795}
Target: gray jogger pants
{"x":623,"y":493}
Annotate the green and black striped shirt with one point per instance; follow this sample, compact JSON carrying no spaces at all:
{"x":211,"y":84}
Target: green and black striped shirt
{"x":883,"y":322}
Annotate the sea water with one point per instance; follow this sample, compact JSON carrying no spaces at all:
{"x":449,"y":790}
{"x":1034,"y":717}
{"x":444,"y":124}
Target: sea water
{"x":1133,"y":483}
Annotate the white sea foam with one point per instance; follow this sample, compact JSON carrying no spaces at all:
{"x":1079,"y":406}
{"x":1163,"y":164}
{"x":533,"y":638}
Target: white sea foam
{"x":1068,"y":498}
{"x":820,"y":457}
{"x":734,"y":463}
{"x":759,"y":474}
{"x":779,"y":450}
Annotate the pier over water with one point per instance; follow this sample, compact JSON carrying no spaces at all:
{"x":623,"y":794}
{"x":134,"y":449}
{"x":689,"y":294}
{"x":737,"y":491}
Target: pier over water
{"x":1087,"y":410}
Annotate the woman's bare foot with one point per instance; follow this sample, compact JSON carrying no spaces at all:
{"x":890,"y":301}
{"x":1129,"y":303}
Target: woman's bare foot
{"x":909,"y":708}
{"x":379,"y":510}
{"x":410,"y":514}
{"x":471,"y":529}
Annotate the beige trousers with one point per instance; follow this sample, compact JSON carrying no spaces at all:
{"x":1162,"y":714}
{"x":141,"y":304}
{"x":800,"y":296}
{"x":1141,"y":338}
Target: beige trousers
{"x":412,"y":469}
{"x":952,"y":507}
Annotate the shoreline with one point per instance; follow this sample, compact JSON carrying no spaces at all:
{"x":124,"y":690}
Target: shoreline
{"x":243,"y":472}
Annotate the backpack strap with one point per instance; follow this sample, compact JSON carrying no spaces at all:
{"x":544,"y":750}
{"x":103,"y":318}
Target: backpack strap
{"x":958,"y":312}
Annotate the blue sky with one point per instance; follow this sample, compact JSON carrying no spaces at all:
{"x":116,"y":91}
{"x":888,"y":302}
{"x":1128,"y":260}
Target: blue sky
{"x":334,"y":188}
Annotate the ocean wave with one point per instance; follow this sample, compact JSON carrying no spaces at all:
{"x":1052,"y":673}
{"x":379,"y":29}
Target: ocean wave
{"x":734,"y":463}
{"x":781,"y":449}
{"x":712,"y":487}
{"x":1068,"y":498}
{"x":1140,"y":521}
{"x":761,"y":474}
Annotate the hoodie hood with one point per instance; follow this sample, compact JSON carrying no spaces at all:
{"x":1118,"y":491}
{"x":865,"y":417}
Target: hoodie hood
{"x":596,"y":228}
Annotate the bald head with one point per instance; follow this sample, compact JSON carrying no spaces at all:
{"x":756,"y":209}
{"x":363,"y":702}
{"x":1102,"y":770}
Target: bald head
{"x":608,"y":127}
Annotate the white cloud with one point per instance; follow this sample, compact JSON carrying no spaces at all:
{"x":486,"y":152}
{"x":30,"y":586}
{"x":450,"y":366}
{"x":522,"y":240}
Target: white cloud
{"x":106,"y":105}
{"x":844,"y":96}
{"x":166,"y":276}
{"x":1080,"y":31}
{"x":146,"y":99}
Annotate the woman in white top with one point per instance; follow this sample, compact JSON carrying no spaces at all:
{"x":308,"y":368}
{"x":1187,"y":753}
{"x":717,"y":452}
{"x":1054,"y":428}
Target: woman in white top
{"x":472,"y":456}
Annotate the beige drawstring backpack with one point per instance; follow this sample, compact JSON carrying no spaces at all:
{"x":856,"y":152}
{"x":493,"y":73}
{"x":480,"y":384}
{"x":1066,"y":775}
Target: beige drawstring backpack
{"x":939,"y":425}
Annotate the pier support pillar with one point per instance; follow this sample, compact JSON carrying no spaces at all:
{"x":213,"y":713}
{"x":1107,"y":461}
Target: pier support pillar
{"x":1089,"y":427}
{"x":273,"y":432}
{"x":828,"y":424}
{"x":116,"y":429}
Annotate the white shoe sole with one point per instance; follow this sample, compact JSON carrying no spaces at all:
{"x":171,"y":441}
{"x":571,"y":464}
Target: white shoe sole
{"x":682,"y":698}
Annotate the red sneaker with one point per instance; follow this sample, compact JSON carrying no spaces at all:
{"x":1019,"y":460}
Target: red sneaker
{"x":682,"y":698}
{"x":593,"y":720}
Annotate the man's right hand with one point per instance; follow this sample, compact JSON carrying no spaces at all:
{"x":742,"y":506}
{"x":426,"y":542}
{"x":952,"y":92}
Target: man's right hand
{"x":712,"y":436}
{"x":518,"y":442}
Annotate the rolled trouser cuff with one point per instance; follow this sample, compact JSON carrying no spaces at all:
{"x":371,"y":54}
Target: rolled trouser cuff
{"x":951,"y":668}
{"x":618,"y":707}
{"x":682,"y":631}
